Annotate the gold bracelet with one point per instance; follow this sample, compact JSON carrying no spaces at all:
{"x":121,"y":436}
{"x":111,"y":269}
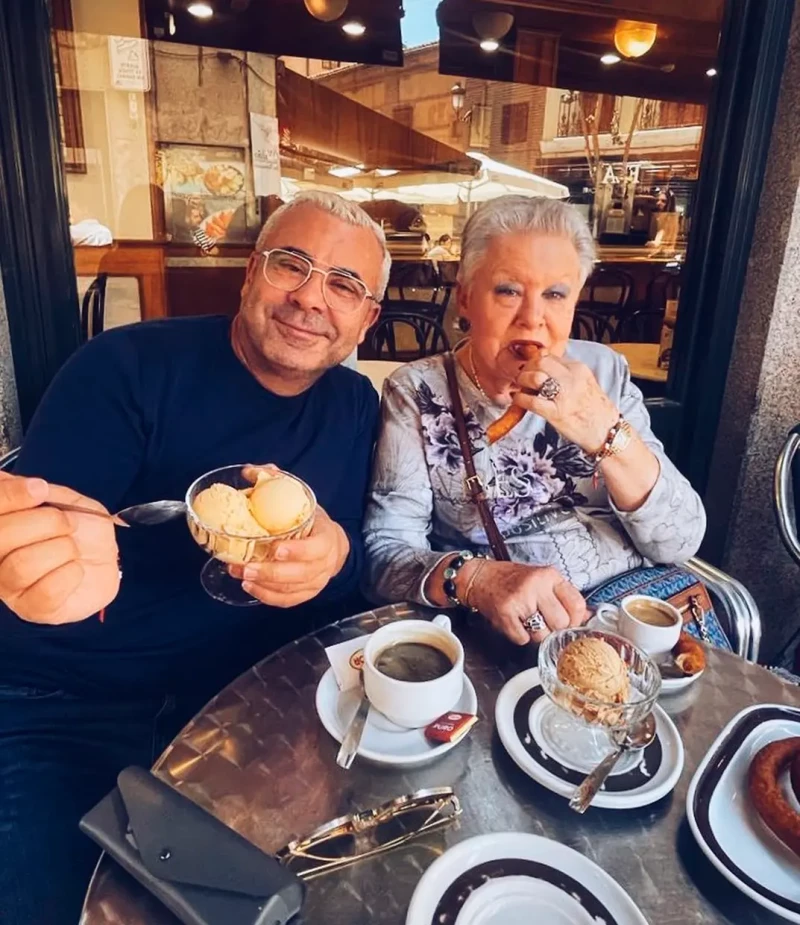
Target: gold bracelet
{"x":471,"y":582}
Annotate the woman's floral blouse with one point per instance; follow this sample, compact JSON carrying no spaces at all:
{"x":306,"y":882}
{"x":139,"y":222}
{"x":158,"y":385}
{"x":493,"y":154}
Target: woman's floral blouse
{"x":539,"y":487}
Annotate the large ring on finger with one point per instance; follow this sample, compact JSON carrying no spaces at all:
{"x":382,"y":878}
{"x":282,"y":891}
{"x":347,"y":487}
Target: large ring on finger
{"x":549,"y":389}
{"x":534,"y":623}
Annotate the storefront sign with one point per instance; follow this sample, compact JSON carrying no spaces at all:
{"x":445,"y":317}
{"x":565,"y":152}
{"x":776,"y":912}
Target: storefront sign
{"x":266,"y":155}
{"x":129,"y":62}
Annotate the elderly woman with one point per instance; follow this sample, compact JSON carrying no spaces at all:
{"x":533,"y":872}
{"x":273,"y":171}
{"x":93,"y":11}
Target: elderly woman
{"x":580,"y":488}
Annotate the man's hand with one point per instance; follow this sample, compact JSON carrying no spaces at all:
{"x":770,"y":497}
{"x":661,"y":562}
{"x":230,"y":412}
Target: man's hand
{"x":55,"y":567}
{"x":508,"y":592}
{"x":301,"y":568}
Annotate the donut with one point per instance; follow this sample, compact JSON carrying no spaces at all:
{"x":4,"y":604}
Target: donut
{"x":507,"y":421}
{"x":794,"y":775}
{"x":766,"y":793}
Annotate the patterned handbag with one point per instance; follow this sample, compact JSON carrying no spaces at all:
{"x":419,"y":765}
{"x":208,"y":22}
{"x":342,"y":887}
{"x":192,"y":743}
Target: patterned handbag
{"x":678,"y":587}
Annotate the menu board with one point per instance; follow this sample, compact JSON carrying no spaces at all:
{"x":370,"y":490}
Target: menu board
{"x":204,"y":193}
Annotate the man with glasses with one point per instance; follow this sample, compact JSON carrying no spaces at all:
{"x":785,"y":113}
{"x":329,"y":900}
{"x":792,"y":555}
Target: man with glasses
{"x":107,"y":641}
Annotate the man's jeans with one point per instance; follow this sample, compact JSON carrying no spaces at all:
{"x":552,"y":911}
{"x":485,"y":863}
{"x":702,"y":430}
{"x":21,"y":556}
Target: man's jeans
{"x":59,"y":755}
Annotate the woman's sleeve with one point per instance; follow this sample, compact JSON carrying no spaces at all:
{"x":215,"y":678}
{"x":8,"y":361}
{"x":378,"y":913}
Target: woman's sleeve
{"x":400,"y":504}
{"x":669,"y":527}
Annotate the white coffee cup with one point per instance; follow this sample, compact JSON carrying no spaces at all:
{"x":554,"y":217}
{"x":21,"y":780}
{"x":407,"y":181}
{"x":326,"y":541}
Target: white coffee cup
{"x":656,"y":640}
{"x":413,"y":704}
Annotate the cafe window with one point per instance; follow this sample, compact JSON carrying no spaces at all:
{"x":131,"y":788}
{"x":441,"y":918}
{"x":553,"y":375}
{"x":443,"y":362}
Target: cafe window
{"x":186,"y":150}
{"x":514,"y":126}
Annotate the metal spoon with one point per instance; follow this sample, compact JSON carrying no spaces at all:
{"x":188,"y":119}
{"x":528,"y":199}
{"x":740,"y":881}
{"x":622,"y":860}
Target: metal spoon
{"x":140,"y":515}
{"x":635,"y":738}
{"x":352,"y":737}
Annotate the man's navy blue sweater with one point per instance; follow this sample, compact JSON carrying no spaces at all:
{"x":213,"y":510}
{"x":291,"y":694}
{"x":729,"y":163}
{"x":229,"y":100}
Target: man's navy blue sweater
{"x":137,"y":415}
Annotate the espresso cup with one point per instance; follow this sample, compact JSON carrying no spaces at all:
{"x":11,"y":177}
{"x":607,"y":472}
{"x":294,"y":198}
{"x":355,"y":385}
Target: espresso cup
{"x":650,"y":624}
{"x":413,"y":704}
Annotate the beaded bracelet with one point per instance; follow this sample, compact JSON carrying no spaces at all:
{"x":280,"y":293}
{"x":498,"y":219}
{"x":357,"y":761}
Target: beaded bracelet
{"x":453,"y":568}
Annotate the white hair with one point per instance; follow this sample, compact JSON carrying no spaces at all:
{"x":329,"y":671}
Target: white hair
{"x":349,"y":212}
{"x":515,"y":214}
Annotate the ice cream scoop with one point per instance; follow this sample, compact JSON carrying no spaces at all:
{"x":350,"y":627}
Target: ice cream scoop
{"x":279,"y":503}
{"x":594,"y":668}
{"x":223,"y":508}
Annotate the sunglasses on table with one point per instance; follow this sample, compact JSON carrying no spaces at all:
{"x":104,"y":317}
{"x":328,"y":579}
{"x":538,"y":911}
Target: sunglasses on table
{"x":370,"y":832}
{"x":289,"y":271}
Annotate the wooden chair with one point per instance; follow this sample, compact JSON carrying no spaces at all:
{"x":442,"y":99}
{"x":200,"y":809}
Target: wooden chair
{"x":382,"y":338}
{"x":640,"y":327}
{"x":589,"y":325}
{"x":607,"y":292}
{"x":93,"y":308}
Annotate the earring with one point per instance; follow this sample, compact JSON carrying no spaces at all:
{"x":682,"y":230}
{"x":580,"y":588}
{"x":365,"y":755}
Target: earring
{"x":463,"y":324}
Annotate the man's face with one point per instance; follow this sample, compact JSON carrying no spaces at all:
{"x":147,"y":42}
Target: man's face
{"x":296,"y":332}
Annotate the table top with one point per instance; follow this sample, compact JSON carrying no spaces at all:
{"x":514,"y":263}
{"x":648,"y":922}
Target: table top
{"x":258,"y":758}
{"x":643,"y":361}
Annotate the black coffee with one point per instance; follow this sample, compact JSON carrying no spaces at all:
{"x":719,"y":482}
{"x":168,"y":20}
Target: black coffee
{"x":413,"y":661}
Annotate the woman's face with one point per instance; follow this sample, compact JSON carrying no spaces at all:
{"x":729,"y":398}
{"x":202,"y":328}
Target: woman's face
{"x":524,"y":290}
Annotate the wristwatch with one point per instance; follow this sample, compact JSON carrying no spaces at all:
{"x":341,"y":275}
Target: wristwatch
{"x":617,"y":441}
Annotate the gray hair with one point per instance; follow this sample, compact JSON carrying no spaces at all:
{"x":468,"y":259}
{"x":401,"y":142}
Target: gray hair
{"x":349,"y":212}
{"x":515,"y":214}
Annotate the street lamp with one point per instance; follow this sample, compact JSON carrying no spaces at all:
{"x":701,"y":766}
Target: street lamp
{"x":458,"y":96}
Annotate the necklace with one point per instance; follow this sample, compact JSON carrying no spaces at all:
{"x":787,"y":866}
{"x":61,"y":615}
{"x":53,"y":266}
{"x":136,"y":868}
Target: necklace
{"x":474,"y":372}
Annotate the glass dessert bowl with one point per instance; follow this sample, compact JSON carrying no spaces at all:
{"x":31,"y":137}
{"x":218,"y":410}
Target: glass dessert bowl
{"x":239,"y":520}
{"x":597,"y":683}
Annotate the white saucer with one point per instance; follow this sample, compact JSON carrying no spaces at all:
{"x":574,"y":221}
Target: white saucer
{"x":724,"y":822}
{"x":383,"y":742}
{"x":640,"y":779}
{"x":511,"y":878}
{"x":674,"y":685}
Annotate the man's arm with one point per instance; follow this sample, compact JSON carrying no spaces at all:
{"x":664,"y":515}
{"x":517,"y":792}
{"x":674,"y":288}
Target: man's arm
{"x":326,"y":566}
{"x":86,"y":442}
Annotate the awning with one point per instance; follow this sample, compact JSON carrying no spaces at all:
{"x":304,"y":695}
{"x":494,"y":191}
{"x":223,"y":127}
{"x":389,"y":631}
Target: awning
{"x":431,"y":188}
{"x":319,"y":121}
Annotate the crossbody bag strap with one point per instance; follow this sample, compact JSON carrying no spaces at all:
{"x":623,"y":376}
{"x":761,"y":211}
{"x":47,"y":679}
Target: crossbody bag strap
{"x":473,"y":482}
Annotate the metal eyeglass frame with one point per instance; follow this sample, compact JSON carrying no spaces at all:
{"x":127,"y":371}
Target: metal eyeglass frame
{"x":331,"y":271}
{"x":442,"y":802}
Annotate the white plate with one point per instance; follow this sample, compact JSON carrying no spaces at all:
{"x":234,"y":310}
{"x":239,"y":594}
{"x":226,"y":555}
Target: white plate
{"x":511,"y":878}
{"x":728,"y":829}
{"x":383,"y":742}
{"x":647,"y":777}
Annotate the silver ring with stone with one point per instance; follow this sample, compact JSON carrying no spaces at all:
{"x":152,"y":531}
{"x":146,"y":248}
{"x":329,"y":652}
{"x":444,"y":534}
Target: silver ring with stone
{"x":550,"y":389}
{"x":534,"y":623}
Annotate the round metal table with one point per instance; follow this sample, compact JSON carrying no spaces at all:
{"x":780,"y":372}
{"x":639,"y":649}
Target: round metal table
{"x":258,"y":758}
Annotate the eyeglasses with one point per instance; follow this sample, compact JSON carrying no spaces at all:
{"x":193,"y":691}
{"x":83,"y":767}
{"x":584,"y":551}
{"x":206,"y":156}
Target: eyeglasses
{"x":289,"y":271}
{"x":370,"y":832}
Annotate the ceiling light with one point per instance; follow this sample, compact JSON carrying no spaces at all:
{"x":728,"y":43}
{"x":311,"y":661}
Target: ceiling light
{"x":200,"y":10}
{"x":633,"y":39}
{"x":492,"y":26}
{"x":610,"y":58}
{"x":354,"y":28}
{"x":326,"y":10}
{"x":711,"y":72}
{"x":490,"y":44}
{"x":386,"y":172}
{"x":344,"y":172}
